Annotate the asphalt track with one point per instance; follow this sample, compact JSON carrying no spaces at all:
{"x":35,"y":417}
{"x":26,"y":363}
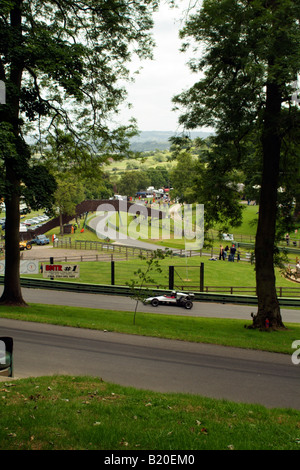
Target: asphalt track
{"x":110,"y":302}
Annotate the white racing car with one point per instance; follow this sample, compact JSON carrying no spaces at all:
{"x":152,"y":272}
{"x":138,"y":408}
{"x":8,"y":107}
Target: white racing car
{"x":174,"y":298}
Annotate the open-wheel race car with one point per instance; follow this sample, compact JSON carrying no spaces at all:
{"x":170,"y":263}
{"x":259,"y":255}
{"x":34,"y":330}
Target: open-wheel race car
{"x":174,"y":298}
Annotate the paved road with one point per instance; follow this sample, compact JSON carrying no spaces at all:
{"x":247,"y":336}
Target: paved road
{"x":200,"y":309}
{"x":153,"y":363}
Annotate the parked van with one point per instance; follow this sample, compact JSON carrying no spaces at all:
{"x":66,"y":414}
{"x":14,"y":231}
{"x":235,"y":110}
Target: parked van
{"x":118,"y":197}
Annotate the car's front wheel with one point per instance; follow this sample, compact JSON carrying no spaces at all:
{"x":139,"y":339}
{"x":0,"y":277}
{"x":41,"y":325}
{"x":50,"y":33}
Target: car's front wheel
{"x":154,"y":302}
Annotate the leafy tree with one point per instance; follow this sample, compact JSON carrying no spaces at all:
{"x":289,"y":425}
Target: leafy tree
{"x":64,"y":154}
{"x":250,"y":56}
{"x":98,"y":188}
{"x":133,"y":181}
{"x":61,"y":62}
{"x":159,"y":177}
{"x":68,"y":194}
{"x":182,"y":177}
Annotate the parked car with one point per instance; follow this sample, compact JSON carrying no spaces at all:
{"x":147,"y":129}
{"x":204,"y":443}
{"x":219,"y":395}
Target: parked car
{"x":40,"y":240}
{"x":28,"y":222}
{"x":174,"y":298}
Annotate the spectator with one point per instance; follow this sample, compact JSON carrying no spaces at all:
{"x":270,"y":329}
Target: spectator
{"x":222,"y":253}
{"x":232,"y":253}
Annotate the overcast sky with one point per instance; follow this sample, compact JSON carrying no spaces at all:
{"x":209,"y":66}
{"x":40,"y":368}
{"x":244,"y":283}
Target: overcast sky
{"x":161,"y":78}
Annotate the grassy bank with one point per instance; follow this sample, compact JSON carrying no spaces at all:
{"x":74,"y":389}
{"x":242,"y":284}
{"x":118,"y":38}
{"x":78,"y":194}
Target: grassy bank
{"x":225,"y":332}
{"x":83,"y":413}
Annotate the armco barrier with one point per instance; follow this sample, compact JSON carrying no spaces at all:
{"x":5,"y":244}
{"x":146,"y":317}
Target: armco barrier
{"x":127,"y":292}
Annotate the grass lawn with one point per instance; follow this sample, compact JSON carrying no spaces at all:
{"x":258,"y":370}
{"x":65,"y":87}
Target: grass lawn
{"x":84,"y":413}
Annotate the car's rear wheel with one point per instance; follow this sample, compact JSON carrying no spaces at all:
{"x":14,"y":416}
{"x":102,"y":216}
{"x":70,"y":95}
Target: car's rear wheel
{"x":188,"y":304}
{"x":28,"y":246}
{"x":154,"y":302}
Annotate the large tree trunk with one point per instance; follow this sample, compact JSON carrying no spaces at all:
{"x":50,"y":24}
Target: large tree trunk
{"x":12,"y":294}
{"x":268,"y":305}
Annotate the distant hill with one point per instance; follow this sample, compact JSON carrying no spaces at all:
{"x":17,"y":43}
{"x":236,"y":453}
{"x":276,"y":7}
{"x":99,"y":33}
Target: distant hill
{"x":148,"y":141}
{"x":158,"y":140}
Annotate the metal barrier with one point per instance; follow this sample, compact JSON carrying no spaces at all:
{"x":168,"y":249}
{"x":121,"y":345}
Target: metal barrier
{"x":127,"y":292}
{"x":288,"y":249}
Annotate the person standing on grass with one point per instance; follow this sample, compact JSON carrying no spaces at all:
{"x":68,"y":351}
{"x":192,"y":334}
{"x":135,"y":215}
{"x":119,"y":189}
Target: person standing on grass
{"x":232,"y":253}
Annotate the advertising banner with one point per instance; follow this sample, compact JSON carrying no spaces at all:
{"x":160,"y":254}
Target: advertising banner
{"x":61,"y":270}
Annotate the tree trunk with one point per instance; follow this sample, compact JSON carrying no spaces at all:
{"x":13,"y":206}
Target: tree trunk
{"x":268,"y":305}
{"x":61,"y":223}
{"x":12,"y":294}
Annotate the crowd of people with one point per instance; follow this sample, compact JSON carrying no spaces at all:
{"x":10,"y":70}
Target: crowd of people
{"x":229,"y":253}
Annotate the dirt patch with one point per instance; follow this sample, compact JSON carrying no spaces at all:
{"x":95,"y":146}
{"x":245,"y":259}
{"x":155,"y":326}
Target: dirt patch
{"x":44,"y":253}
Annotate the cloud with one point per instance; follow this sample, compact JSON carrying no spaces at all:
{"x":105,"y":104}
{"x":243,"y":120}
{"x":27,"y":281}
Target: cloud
{"x":161,"y":78}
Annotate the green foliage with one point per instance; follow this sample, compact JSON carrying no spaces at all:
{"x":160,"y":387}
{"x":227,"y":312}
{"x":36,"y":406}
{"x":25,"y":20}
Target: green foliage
{"x":182,"y":177}
{"x":98,"y":186}
{"x":68,"y":194}
{"x":249,"y":58}
{"x":39,"y":188}
{"x":133,"y":181}
{"x":238,"y":40}
{"x":159,"y":177}
{"x":63,"y":63}
{"x":233,"y":37}
{"x":202,"y":174}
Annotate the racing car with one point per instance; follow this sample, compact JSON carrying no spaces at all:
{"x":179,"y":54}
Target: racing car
{"x":174,"y":298}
